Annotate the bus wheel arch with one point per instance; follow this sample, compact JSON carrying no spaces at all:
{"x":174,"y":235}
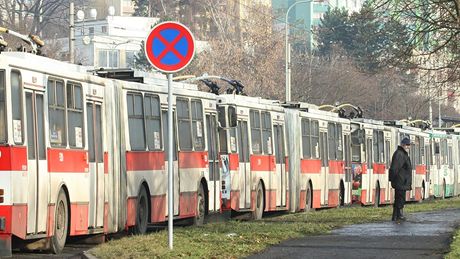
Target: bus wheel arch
{"x":309,"y":197}
{"x":341,"y":194}
{"x":377,"y":195}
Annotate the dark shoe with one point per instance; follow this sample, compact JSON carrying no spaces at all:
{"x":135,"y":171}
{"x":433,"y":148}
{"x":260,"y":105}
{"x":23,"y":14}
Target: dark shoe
{"x":401,"y":218}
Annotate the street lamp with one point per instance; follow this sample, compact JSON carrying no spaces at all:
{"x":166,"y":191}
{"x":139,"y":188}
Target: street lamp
{"x":288,"y":51}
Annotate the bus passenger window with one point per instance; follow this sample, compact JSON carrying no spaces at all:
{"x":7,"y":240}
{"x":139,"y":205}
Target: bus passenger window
{"x":255,"y":132}
{"x":136,"y":121}
{"x":197,"y":125}
{"x":56,"y":110}
{"x":75,"y":115}
{"x":153,"y":122}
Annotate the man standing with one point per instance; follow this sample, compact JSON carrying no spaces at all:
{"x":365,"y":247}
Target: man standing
{"x":401,"y":177}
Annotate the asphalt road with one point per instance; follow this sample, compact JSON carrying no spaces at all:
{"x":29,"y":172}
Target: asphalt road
{"x":423,"y":235}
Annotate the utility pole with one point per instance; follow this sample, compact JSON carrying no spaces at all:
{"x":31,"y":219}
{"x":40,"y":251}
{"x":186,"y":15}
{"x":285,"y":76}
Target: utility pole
{"x":72,"y":34}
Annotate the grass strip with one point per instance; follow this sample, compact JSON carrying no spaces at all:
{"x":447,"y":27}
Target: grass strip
{"x":235,"y":239}
{"x":454,"y":246}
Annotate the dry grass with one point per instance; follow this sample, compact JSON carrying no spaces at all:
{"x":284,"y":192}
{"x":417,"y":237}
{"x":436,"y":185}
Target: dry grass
{"x":235,"y":239}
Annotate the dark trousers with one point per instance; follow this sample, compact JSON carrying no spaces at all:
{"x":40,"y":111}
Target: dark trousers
{"x":398,"y":205}
{"x":400,"y":199}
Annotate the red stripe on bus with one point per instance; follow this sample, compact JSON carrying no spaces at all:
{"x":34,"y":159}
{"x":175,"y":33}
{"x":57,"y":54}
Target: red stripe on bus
{"x":15,"y":219}
{"x":262,"y":163}
{"x":270,"y":200}
{"x":67,"y":161}
{"x":418,"y":193}
{"x":187,"y":204}
{"x":310,"y":166}
{"x":235,"y":200}
{"x":106,"y":162}
{"x":286,"y":162}
{"x":145,"y":160}
{"x":106,"y":217}
{"x":363,"y":196}
{"x":78,"y":219}
{"x":364,"y":168}
{"x":336,"y":167}
{"x":193,"y":159}
{"x":50,"y":227}
{"x":420,"y":169}
{"x":378,"y":168}
{"x":234,"y":162}
{"x":13,"y":158}
{"x":316,"y":199}
{"x":131,"y":212}
{"x":333,"y":198}
{"x":158,"y":211}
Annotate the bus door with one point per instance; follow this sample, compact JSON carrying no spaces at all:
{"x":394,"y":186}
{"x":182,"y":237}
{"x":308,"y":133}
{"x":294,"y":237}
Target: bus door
{"x":280,"y":165}
{"x":348,"y":172}
{"x":176,"y":193}
{"x":213,"y":159}
{"x":245,"y":166}
{"x":38,"y":181}
{"x":369,"y":173}
{"x":94,"y":128}
{"x":324,"y":166}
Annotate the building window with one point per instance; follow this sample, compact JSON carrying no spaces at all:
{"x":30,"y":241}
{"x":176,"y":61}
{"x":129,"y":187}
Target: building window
{"x":91,"y":30}
{"x":108,"y":58}
{"x":104,"y":29}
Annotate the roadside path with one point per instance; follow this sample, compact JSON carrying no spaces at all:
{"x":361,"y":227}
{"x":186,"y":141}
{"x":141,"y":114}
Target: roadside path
{"x":423,"y":235}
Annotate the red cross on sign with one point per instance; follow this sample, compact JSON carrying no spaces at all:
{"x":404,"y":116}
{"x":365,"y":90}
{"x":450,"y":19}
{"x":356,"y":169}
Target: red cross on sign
{"x":170,"y":47}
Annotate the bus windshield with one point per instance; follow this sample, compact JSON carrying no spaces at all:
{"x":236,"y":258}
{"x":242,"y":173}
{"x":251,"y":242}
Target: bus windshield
{"x":2,"y":107}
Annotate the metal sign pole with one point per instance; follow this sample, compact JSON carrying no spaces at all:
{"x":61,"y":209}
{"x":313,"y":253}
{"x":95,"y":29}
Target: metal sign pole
{"x":170,"y":164}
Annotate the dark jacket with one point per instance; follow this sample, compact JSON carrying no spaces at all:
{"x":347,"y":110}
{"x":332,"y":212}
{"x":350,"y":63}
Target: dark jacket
{"x":401,"y":170}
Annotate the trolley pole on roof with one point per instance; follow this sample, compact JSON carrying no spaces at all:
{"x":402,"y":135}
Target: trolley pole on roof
{"x":161,"y":49}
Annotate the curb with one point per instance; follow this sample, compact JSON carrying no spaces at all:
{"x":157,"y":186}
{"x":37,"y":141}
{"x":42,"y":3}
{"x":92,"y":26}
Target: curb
{"x":87,"y":255}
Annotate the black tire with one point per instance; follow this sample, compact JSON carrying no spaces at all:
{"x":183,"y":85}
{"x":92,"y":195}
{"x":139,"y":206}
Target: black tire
{"x":341,"y":195}
{"x":377,"y":197}
{"x":443,"y":196}
{"x":200,"y":207}
{"x":61,"y":223}
{"x":260,"y":202}
{"x":308,"y":199}
{"x":142,"y":212}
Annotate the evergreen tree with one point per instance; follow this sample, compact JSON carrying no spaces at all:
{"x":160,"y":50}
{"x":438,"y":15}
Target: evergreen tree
{"x":141,"y":8}
{"x":372,"y":39}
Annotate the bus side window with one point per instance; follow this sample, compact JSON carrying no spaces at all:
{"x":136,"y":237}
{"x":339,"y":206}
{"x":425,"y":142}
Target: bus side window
{"x":75,"y":115}
{"x":255,"y":132}
{"x":153,"y":122}
{"x":136,"y":121}
{"x":197,"y":125}
{"x":56,"y":110}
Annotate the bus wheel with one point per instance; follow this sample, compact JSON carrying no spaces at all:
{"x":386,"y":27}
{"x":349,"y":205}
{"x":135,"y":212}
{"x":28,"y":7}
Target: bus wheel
{"x":61,"y":223}
{"x":259,"y":208}
{"x":142,"y":212}
{"x":200,"y":208}
{"x":308,"y":199}
{"x":443,"y":196}
{"x":377,"y":196}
